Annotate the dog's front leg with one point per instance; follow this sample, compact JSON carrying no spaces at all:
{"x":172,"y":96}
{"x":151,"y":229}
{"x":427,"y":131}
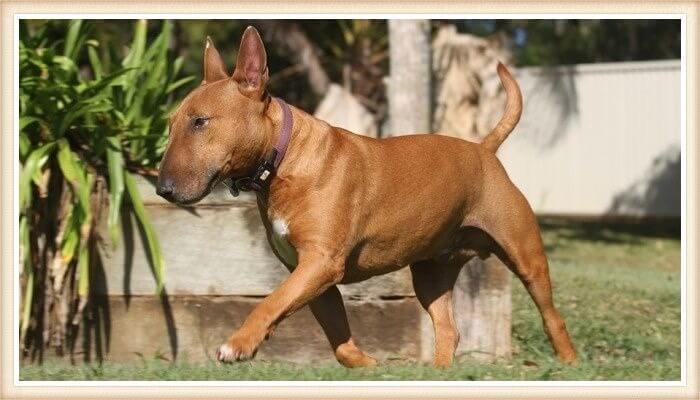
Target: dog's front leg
{"x":314,"y":274}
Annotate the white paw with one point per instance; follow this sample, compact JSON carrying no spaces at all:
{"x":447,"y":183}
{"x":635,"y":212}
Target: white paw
{"x":236,"y":350}
{"x":225,"y":354}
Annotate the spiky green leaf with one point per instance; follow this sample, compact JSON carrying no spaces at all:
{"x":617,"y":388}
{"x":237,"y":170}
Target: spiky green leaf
{"x":30,"y":168}
{"x":68,"y":163}
{"x":73,"y":39}
{"x":115,"y":165}
{"x":157,"y":262}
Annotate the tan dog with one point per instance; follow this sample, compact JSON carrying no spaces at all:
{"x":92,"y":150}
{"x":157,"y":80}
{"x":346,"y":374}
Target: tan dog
{"x":341,"y":208}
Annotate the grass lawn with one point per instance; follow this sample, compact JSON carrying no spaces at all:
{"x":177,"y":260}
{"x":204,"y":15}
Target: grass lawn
{"x":617,"y":286}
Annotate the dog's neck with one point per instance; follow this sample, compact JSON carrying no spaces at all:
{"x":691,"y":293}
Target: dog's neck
{"x":306,"y":144}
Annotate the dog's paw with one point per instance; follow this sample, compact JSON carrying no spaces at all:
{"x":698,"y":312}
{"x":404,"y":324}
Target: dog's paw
{"x":236,"y":349}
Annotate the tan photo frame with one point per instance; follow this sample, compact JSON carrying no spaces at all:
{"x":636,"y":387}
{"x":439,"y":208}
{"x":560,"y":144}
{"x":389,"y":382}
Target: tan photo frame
{"x":687,"y":11}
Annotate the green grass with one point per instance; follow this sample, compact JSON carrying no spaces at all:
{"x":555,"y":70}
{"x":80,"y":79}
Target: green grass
{"x":617,"y":286}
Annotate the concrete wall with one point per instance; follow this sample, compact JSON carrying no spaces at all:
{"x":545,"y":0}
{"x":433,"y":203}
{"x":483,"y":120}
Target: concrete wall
{"x":599,"y":139}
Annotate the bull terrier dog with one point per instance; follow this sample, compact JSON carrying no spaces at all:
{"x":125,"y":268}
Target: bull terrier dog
{"x":341,"y":208}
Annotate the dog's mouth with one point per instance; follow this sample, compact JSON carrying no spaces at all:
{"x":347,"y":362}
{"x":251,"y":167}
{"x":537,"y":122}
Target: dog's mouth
{"x":214,"y":180}
{"x":231,"y":182}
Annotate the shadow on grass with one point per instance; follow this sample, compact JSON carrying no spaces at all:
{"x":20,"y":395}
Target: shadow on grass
{"x":621,"y":231}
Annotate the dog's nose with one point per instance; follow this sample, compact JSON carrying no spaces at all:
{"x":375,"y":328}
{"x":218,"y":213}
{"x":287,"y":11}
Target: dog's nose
{"x":165,"y":187}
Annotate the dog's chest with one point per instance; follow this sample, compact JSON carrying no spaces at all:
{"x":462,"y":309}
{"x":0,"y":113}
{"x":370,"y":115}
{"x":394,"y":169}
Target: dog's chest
{"x":280,"y":241}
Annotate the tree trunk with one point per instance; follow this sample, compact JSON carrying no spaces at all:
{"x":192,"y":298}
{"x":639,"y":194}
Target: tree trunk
{"x":409,"y":84}
{"x":293,"y":40}
{"x":482,"y":293}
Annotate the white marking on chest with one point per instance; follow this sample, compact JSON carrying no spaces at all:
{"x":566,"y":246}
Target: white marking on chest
{"x":280,"y":234}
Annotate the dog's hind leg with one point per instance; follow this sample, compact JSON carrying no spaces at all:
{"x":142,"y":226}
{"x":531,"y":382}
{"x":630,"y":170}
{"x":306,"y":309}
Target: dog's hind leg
{"x":514,"y":227}
{"x":532,"y":269}
{"x":330,"y":313}
{"x":433,"y":282}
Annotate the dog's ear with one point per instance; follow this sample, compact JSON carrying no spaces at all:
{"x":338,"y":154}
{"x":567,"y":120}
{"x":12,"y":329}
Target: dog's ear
{"x":251,"y":66}
{"x":214,"y":67}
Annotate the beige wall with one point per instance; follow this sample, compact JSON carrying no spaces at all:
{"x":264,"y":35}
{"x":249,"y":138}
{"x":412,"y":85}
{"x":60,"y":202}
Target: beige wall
{"x":599,"y":139}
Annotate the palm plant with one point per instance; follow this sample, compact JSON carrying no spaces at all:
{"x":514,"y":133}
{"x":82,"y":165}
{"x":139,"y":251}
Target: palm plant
{"x":86,"y":125}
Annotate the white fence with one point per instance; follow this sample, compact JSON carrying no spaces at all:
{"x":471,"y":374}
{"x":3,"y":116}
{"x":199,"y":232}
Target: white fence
{"x":599,"y":139}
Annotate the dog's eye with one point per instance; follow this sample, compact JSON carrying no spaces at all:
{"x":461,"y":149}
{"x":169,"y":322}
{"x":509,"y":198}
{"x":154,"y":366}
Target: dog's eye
{"x":199,"y":122}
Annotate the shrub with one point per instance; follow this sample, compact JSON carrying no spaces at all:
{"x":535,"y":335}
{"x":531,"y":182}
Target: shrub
{"x":86,"y":124}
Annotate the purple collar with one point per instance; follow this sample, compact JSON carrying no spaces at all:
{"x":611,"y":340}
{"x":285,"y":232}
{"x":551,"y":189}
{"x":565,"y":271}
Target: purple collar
{"x":262,"y":174}
{"x":285,"y":131}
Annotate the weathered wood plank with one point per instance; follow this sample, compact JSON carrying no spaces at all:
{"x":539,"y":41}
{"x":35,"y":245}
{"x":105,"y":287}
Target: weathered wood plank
{"x":214,"y":251}
{"x":193,"y":326}
{"x":219,"y":249}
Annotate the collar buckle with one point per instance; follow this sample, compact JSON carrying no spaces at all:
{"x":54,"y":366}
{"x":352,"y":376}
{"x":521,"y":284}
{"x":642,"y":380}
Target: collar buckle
{"x":262,"y":174}
{"x":258,"y":180}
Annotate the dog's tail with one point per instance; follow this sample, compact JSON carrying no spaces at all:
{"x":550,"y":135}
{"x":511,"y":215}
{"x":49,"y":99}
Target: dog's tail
{"x":510,"y":118}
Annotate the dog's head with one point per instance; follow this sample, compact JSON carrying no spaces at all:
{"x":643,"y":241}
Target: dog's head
{"x":219,"y":130}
